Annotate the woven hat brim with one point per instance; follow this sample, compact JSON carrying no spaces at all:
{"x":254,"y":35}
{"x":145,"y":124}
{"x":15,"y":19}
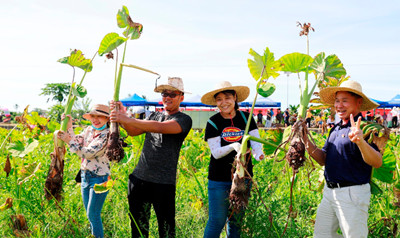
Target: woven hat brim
{"x":328,"y":96}
{"x":242,"y":92}
{"x":162,"y":87}
{"x":88,"y":115}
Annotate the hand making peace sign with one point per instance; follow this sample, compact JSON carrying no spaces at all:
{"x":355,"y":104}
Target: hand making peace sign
{"x":356,"y":134}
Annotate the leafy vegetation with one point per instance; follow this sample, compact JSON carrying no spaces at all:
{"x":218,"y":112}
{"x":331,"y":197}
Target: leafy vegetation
{"x":21,"y":192}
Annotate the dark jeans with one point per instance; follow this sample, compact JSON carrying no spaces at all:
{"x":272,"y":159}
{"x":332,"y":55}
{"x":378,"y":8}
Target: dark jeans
{"x":143,"y":194}
{"x":308,"y":120}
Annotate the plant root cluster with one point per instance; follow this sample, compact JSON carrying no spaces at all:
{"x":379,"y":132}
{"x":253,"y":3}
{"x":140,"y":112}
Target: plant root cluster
{"x":54,"y":181}
{"x":240,"y":190}
{"x":115,"y":150}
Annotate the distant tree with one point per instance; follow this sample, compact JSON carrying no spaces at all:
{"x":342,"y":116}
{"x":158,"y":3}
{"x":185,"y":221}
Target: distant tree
{"x":55,"y":112}
{"x":81,"y":107}
{"x":57,"y":91}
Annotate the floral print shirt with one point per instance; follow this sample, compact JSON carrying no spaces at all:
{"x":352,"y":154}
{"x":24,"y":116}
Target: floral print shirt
{"x":91,"y":148}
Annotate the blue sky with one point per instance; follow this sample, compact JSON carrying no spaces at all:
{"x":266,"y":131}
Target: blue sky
{"x":201,"y":41}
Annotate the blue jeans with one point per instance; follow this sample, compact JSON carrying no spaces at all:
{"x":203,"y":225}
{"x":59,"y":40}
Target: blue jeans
{"x":219,"y":212}
{"x":93,"y":201}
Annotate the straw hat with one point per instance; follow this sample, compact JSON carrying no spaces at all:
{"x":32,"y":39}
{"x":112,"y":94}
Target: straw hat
{"x":242,"y":92}
{"x":174,"y":84}
{"x":99,"y":110}
{"x":328,"y":95}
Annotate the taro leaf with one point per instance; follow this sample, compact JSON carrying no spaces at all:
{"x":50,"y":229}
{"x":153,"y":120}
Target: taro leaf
{"x":18,"y":148}
{"x":110,"y":42}
{"x":35,"y":119}
{"x":375,"y":190}
{"x":104,"y":187}
{"x":79,"y":90}
{"x":7,"y":204}
{"x":330,"y":66}
{"x":274,"y":136}
{"x":295,"y":62}
{"x":266,"y":89}
{"x":122,"y":17}
{"x":52,"y":126}
{"x":257,"y":65}
{"x":385,"y":172}
{"x":7,"y":166}
{"x":27,"y":172}
{"x":76,"y":59}
{"x":133,"y":32}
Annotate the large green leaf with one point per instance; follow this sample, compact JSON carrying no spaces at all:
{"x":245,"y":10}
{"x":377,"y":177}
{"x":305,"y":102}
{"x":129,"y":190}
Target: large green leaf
{"x":385,"y":172}
{"x":330,"y":66}
{"x":77,"y":59}
{"x":266,"y":61}
{"x":275,"y":137}
{"x":28,"y":172}
{"x":122,"y":17}
{"x":110,"y":42}
{"x":375,"y":190}
{"x":266,"y":89}
{"x":104,"y":187}
{"x":36,"y":119}
{"x":18,"y":148}
{"x":79,"y":90}
{"x":295,"y":62}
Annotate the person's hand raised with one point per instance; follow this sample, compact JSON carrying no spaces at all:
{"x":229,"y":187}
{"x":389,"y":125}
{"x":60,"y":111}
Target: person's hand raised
{"x":356,"y":134}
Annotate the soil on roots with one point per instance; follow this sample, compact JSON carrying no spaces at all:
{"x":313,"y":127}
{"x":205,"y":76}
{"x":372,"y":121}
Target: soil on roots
{"x":54,"y":181}
{"x":240,"y":191}
{"x":114,"y":151}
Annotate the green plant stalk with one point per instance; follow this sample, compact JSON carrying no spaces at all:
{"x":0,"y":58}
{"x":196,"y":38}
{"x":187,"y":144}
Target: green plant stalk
{"x":117,"y":85}
{"x":71,"y":101}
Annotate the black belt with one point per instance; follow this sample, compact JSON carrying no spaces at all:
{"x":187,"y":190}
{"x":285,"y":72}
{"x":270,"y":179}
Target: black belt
{"x":339,"y":185}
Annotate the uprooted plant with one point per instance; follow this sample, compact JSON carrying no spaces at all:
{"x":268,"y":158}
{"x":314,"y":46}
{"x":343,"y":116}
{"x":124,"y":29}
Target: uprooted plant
{"x":110,"y":42}
{"x":54,"y":181}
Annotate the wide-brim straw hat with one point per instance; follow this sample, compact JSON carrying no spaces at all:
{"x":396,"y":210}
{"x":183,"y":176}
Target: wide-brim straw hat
{"x":242,"y":92}
{"x":99,"y":110}
{"x":328,"y":95}
{"x":174,"y":84}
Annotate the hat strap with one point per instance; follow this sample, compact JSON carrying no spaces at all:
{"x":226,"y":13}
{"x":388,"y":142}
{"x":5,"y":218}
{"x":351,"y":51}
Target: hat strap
{"x":97,"y":110}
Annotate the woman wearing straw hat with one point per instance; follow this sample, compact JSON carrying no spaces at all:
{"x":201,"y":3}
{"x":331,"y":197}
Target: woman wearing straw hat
{"x":224,"y":133}
{"x":95,"y":167}
{"x":348,"y":160}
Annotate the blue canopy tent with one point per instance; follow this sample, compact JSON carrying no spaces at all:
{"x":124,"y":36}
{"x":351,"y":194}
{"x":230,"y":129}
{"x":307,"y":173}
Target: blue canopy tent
{"x":135,"y":100}
{"x":394,"y":102}
{"x":382,"y":104}
{"x":194,"y":101}
{"x":261,"y":102}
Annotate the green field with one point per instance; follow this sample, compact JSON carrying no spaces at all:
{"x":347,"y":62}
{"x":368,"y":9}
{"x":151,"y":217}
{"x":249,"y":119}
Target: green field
{"x":271,"y":191}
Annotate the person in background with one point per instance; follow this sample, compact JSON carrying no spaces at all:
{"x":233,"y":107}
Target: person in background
{"x":348,"y":159}
{"x":90,"y":145}
{"x":389,"y":119}
{"x":224,"y":132}
{"x":308,"y":117}
{"x":268,"y":119}
{"x":260,"y":119}
{"x":153,"y":181}
{"x":279,"y":116}
{"x":286,"y":116}
{"x":395,"y":115}
{"x":384,"y":116}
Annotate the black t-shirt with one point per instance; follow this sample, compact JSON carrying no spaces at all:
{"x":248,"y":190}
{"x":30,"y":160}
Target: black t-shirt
{"x":230,"y":131}
{"x":159,"y":158}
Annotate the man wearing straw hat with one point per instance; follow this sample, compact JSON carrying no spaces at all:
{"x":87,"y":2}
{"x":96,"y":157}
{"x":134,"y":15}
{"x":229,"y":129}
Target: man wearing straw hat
{"x":348,"y":161}
{"x":153,"y":181}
